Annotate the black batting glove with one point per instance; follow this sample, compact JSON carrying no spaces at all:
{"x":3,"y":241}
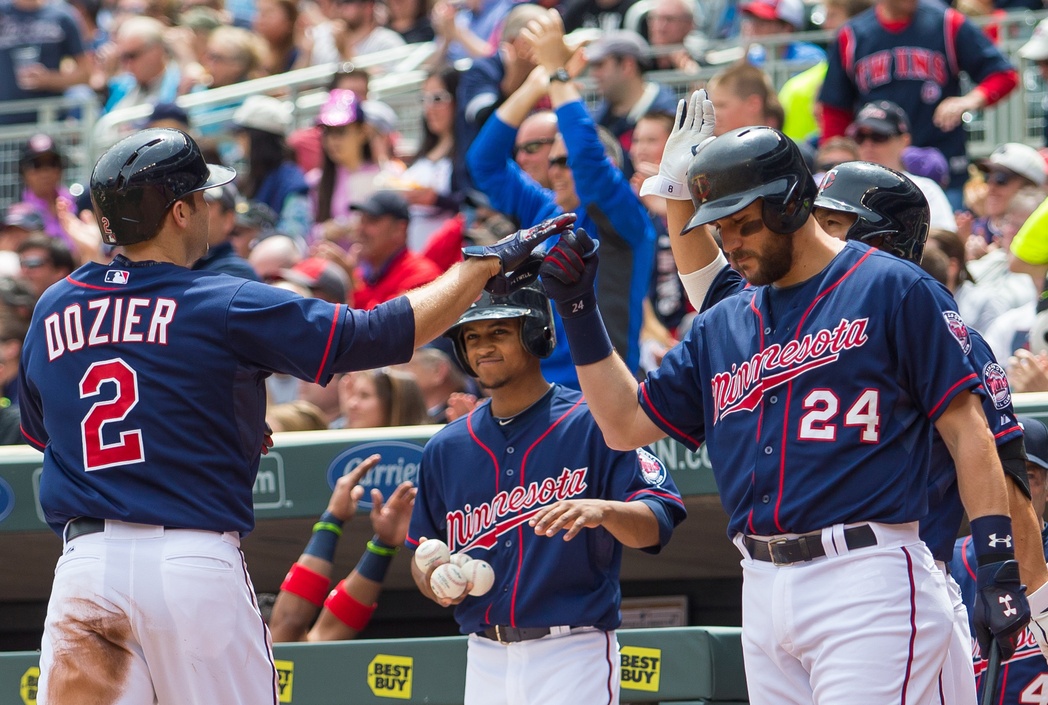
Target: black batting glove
{"x":504,"y":284}
{"x":513,"y":250}
{"x":1001,"y":611}
{"x":568,"y":273}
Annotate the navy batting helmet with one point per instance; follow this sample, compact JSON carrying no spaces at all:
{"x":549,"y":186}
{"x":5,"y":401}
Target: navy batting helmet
{"x":529,"y":303}
{"x":740,"y":166}
{"x":140,"y":177}
{"x":892,"y":212}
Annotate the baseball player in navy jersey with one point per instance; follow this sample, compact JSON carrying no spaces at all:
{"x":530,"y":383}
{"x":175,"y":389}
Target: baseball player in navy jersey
{"x":814,"y":364}
{"x":1024,"y":677}
{"x":143,"y":385}
{"x":527,"y":483}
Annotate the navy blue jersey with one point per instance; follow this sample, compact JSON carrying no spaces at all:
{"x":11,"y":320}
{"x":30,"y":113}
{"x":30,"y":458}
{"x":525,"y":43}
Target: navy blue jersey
{"x":144,"y":386}
{"x":814,"y":407}
{"x":481,"y":481}
{"x":1023,"y":677}
{"x":915,"y":68}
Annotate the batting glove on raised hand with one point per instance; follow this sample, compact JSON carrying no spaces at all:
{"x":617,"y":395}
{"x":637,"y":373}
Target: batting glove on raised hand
{"x":513,"y":250}
{"x":503,"y":284}
{"x":1039,"y":617}
{"x":1001,"y":610}
{"x":568,"y":273}
{"x":692,"y":129}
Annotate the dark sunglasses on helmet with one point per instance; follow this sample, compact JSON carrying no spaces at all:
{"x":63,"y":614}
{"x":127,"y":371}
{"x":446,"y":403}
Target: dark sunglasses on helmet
{"x":533,"y":146}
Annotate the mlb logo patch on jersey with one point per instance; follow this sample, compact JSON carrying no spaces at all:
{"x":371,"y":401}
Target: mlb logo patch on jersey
{"x":959,"y":330}
{"x":996,"y":383}
{"x":651,"y":468}
{"x":116,"y":276}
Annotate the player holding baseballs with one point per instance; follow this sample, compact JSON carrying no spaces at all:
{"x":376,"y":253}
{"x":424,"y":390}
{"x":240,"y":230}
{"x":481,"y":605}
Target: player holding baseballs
{"x":526,"y":483}
{"x":143,"y":383}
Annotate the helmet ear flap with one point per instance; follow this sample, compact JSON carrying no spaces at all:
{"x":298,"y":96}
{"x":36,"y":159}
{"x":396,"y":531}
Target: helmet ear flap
{"x":786,"y":213}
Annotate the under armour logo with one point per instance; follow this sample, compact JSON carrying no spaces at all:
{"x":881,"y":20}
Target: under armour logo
{"x":994,"y":541}
{"x":1006,"y":600}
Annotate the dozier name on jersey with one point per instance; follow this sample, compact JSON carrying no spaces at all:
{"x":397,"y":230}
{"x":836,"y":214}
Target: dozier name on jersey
{"x":111,"y":319}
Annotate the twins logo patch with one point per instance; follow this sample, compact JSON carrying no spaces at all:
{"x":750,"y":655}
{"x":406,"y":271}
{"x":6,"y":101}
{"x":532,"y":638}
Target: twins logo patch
{"x":958,"y":330}
{"x":116,"y":276}
{"x":651,"y":468}
{"x":996,"y":383}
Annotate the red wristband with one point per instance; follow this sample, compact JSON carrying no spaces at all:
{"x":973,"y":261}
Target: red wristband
{"x":348,"y":609}
{"x":308,"y":584}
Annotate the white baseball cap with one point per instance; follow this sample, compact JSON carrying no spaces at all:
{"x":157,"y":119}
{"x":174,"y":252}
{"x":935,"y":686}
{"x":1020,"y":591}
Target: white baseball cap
{"x":265,"y":113}
{"x":789,"y":11}
{"x":1019,"y":159}
{"x":1037,"y":48}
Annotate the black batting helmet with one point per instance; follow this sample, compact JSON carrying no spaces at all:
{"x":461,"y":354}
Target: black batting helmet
{"x":529,"y":303}
{"x":740,"y":166}
{"x":892,"y":212}
{"x":140,"y":177}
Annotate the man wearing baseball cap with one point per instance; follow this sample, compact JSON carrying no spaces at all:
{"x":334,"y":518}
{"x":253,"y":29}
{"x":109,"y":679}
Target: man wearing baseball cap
{"x":883,"y":132}
{"x":1009,"y":169}
{"x":222,"y":217}
{"x":762,"y":18}
{"x":1026,"y":669}
{"x":1036,"y":51}
{"x":387,"y":268}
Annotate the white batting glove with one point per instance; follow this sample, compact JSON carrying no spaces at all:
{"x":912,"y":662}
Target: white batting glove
{"x":1039,"y":617}
{"x":692,"y":129}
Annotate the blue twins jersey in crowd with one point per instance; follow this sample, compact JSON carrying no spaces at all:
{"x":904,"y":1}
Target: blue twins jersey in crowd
{"x":1024,"y":677}
{"x":939,"y":526}
{"x":814,"y":408}
{"x":915,"y":68}
{"x":480,"y":482}
{"x":144,"y":386}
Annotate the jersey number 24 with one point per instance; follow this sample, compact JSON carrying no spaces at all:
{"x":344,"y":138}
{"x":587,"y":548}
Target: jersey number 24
{"x":822,"y":407}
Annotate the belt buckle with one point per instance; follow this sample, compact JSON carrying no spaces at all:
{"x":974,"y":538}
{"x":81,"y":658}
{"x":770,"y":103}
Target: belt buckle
{"x":498,"y":635}
{"x":775,"y":560}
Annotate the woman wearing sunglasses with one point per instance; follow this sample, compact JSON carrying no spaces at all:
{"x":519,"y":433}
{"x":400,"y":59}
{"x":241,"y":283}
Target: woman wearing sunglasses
{"x":1010,"y":168}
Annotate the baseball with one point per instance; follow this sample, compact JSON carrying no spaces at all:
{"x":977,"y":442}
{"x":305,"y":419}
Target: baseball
{"x":448,"y":582}
{"x":430,"y":553}
{"x":461,"y":559}
{"x":481,"y":575}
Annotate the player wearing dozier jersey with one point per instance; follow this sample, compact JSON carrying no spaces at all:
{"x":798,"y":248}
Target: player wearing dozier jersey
{"x":1023,"y":678}
{"x":143,"y":383}
{"x":813,"y":363}
{"x":527,"y":483}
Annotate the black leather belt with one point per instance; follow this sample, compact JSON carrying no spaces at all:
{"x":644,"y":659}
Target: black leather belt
{"x":82,"y":526}
{"x":512,"y":635}
{"x":807,"y":547}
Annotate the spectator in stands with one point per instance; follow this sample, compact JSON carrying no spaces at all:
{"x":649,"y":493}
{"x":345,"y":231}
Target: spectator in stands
{"x":307,"y":609}
{"x":928,"y":162}
{"x":489,"y":81}
{"x":882,"y":131}
{"x":44,"y":260}
{"x":381,"y":398}
{"x":13,"y":329}
{"x":1035,"y":50}
{"x":387,"y":268}
{"x":261,"y":125}
{"x":410,"y":19}
{"x":382,"y":122}
{"x":349,"y":168}
{"x":20,"y":222}
{"x":275,"y":24}
{"x":273,"y":254}
{"x":169,"y":115}
{"x":468,"y":28}
{"x":254,"y":222}
{"x":322,"y":278}
{"x":150,"y":75}
{"x":233,"y":55}
{"x":762,"y":18}
{"x":742,"y":95}
{"x":1010,"y":168}
{"x":585,"y":180}
{"x":222,"y":216}
{"x":306,"y":141}
{"x":41,"y":166}
{"x":978,"y":306}
{"x":534,"y":140}
{"x":617,"y":62}
{"x":833,"y":152}
{"x":605,"y":15}
{"x":360,"y":33}
{"x":438,"y":377}
{"x":296,"y":415}
{"x":672,"y":34}
{"x":874,"y":58}
{"x":427,"y":182}
{"x":43,"y":56}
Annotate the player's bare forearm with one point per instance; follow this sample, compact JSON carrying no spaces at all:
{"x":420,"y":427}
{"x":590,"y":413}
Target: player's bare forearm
{"x":633,"y":524}
{"x":980,"y":477}
{"x":331,"y":628}
{"x":1026,"y":529}
{"x":695,"y":250}
{"x":438,"y":305}
{"x":292,"y":614}
{"x":611,"y":392}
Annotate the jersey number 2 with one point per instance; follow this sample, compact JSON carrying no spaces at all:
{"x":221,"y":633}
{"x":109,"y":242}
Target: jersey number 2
{"x":97,"y":454}
{"x":822,"y":406}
